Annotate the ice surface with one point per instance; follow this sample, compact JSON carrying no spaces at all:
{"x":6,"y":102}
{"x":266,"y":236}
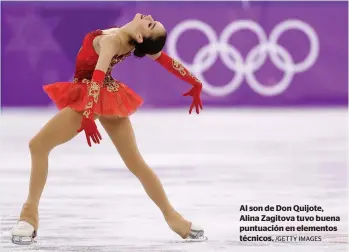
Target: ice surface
{"x":209,"y":165}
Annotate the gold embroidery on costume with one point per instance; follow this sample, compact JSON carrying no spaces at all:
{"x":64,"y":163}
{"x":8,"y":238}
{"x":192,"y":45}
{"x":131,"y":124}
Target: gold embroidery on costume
{"x":89,"y":105}
{"x":86,"y":81}
{"x":111,"y":84}
{"x":179,"y":67}
{"x":86,"y":113}
{"x":94,"y":91}
{"x":113,"y":87}
{"x":93,"y":87}
{"x":108,"y":80}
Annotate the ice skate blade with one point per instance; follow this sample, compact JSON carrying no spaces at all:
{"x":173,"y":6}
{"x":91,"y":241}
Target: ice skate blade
{"x":201,"y":239}
{"x":22,"y":240}
{"x":196,"y":235}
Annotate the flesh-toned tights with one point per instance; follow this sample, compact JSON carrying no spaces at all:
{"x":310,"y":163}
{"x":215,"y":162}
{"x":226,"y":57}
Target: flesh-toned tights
{"x":62,"y":128}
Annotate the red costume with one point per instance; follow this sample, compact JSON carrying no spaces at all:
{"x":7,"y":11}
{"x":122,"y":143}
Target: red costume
{"x":115,"y":98}
{"x":95,"y":92}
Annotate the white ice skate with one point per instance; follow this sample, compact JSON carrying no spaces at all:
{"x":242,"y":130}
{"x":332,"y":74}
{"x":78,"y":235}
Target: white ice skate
{"x":23,"y":233}
{"x":197,"y":234}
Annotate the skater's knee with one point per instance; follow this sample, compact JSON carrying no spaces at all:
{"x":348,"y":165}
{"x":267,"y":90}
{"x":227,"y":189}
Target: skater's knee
{"x":36,"y":145}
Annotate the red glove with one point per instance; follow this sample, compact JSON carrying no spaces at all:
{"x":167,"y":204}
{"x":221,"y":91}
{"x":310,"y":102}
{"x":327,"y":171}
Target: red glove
{"x":176,"y":68}
{"x":88,"y":124}
{"x":195,"y":93}
{"x":91,"y":131}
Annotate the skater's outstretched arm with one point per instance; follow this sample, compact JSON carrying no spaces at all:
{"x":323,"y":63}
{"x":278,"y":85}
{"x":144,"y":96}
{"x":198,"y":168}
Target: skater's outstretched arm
{"x":176,"y":68}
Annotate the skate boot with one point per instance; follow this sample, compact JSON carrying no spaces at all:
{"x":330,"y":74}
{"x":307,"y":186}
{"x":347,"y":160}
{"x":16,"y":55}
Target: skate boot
{"x":187,"y":230}
{"x":196,"y":234}
{"x":23,"y":233}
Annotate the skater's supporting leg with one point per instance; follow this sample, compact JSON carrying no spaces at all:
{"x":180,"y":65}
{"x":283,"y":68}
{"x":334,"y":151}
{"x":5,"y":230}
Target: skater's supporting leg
{"x":121,"y":133}
{"x":60,"y":129}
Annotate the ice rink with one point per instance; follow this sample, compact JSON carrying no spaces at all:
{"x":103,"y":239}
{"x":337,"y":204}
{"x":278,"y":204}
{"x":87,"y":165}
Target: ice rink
{"x":209,"y":165}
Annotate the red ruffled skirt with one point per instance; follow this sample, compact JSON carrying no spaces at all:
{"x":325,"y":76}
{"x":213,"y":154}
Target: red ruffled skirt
{"x":116,"y":99}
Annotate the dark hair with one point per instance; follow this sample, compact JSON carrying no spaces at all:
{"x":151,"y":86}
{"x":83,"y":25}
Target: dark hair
{"x":149,"y":46}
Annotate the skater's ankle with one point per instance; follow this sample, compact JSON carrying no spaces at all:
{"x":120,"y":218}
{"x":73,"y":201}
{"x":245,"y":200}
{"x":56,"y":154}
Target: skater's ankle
{"x":32,"y":202}
{"x":30,"y":214}
{"x":178,"y":223}
{"x":168,"y":213}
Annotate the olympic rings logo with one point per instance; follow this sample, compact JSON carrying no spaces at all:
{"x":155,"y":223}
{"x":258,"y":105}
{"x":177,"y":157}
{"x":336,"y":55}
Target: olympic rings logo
{"x":256,"y":57}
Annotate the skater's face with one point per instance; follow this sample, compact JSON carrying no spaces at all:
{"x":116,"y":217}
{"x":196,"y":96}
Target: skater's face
{"x":147,"y":27}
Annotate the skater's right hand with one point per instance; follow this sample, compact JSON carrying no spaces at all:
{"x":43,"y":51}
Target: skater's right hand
{"x":195,"y":93}
{"x":89,"y":126}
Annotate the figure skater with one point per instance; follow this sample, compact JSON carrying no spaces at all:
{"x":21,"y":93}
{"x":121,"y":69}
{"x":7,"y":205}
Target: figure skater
{"x":94,"y":94}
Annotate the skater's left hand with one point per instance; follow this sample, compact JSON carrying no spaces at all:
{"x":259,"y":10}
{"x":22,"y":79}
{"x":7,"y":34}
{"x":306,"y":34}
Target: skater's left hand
{"x":195,"y":93}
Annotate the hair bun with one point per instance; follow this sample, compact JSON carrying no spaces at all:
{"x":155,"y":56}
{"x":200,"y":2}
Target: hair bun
{"x":138,"y":53}
{"x":149,"y":46}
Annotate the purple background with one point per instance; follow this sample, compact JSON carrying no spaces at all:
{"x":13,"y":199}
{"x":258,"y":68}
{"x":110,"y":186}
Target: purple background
{"x":40,"y":41}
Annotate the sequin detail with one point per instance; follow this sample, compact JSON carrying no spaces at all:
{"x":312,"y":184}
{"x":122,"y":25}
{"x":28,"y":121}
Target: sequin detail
{"x":112,"y":85}
{"x":87,"y":113}
{"x":181,"y":69}
{"x":94,"y":90}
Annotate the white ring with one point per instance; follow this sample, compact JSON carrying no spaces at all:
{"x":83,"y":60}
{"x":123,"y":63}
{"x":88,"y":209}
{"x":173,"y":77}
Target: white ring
{"x":192,"y":25}
{"x":313,"y":39}
{"x":280,"y":86}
